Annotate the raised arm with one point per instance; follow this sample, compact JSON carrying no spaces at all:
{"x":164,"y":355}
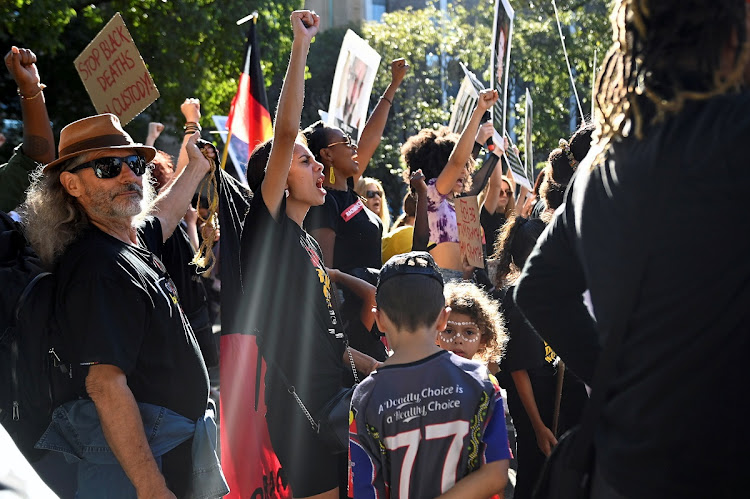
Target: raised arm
{"x":373,"y":131}
{"x":38,"y":143}
{"x":154,"y":130}
{"x":173,"y":201}
{"x":191,"y":110}
{"x":305,"y":25}
{"x":462,"y":150}
{"x":421,"y":235}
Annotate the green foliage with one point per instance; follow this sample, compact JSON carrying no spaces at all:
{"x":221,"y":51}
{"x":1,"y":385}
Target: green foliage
{"x":538,"y":63}
{"x":192,"y":49}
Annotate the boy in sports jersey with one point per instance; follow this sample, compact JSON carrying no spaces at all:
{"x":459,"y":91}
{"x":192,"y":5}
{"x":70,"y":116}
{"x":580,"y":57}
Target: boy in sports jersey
{"x":427,"y":423}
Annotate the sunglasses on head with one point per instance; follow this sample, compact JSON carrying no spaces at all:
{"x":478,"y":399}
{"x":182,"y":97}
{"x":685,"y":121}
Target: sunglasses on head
{"x":111,"y":167}
{"x":347,"y":141}
{"x":372,"y":194}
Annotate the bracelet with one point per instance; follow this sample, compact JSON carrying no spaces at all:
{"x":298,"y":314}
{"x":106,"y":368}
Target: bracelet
{"x":192,"y":126}
{"x":383,"y":97}
{"x":42,"y":86}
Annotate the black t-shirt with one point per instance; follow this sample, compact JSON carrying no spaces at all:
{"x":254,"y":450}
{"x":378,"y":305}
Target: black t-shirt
{"x":658,"y":234}
{"x":358,"y":230}
{"x":288,"y":303}
{"x":117,"y":305}
{"x":177,"y":255}
{"x":491,"y":223}
{"x":525,"y":349}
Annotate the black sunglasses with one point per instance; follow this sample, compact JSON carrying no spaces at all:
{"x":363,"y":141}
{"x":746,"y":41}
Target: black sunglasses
{"x":111,"y":167}
{"x":372,"y":194}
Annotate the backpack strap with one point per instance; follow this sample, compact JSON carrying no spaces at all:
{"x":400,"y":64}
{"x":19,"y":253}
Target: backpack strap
{"x":27,"y":291}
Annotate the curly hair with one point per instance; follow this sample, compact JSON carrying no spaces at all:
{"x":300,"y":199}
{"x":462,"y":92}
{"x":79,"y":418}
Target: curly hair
{"x":53,"y":219}
{"x":650,"y":71}
{"x":469,"y":299}
{"x":429,"y":151}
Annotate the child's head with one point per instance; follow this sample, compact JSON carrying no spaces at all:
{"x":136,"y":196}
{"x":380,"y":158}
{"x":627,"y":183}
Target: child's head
{"x":475,"y":326}
{"x":410,"y":291}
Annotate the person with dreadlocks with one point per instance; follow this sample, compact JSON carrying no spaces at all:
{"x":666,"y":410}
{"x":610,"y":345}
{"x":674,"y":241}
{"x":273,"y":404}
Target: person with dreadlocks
{"x":670,"y":108}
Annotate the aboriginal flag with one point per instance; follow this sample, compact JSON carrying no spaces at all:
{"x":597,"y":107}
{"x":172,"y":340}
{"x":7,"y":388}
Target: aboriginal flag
{"x":249,"y":120}
{"x":247,"y":458}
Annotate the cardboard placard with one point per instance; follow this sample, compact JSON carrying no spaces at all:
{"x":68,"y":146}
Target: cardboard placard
{"x":352,"y":85}
{"x":469,"y":231}
{"x":114,"y":74}
{"x":515,"y":167}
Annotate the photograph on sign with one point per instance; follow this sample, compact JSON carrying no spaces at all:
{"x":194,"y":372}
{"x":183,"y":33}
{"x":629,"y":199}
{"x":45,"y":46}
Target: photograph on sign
{"x":528,"y":156}
{"x":352,"y":85}
{"x":502,"y":33}
{"x":466,"y":101}
{"x":515,"y":166}
{"x":469,"y":231}
{"x":114,"y":74}
{"x":238,"y":151}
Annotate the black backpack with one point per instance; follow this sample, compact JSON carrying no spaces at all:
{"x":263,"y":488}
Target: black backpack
{"x":33,"y":380}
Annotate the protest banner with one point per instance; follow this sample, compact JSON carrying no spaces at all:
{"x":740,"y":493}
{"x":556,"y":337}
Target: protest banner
{"x":515,"y":167}
{"x":469,"y":231}
{"x":502,"y":33}
{"x":114,"y":74}
{"x":352,"y":85}
{"x":237,"y":150}
{"x":466,"y":101}
{"x":478,"y":87}
{"x":528,"y":147}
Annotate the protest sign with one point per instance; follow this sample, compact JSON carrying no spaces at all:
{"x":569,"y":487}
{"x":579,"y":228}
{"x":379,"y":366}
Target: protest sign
{"x":515,"y":167}
{"x":352,"y":85}
{"x":238,"y":150}
{"x":502,"y":33}
{"x":114,"y":74}
{"x":478,"y":87}
{"x":466,"y":101}
{"x":528,"y":156}
{"x":469,"y":231}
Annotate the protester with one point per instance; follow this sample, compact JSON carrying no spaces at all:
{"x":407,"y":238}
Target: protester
{"x":177,"y":255}
{"x":497,"y":206}
{"x":374,"y":195}
{"x":446,"y":410}
{"x":671,"y":120}
{"x":349,"y":235}
{"x":445,"y":159}
{"x":530,"y":368}
{"x":399,"y":239}
{"x":38,"y":144}
{"x":289,"y":302}
{"x":475,"y":330}
{"x":126,"y":337}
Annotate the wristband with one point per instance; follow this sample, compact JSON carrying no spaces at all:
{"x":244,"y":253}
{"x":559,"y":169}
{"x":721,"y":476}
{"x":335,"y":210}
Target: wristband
{"x":42,"y":86}
{"x":389,"y":101}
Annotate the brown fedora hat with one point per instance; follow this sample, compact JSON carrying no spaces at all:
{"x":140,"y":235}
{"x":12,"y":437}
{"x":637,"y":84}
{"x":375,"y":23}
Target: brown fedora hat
{"x":96,"y":133}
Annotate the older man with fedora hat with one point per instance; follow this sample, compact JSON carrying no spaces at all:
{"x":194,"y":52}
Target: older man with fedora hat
{"x":134,"y":359}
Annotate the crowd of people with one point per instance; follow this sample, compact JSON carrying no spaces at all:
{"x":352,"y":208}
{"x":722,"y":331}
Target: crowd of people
{"x":393,"y":367}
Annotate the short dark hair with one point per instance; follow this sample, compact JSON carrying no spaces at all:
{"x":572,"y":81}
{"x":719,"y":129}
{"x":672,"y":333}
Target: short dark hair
{"x":317,"y":138}
{"x":411,"y":301}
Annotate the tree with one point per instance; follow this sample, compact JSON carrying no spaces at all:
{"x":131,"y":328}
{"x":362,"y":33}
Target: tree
{"x":464,"y":34}
{"x":192,"y":49}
